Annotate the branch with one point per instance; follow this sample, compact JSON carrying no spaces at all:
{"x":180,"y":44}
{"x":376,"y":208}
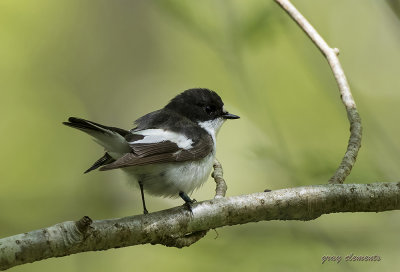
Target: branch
{"x":301,"y":203}
{"x":330,"y":54}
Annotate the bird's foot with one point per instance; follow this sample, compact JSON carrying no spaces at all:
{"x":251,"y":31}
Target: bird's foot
{"x":188,"y":201}
{"x":188,"y":205}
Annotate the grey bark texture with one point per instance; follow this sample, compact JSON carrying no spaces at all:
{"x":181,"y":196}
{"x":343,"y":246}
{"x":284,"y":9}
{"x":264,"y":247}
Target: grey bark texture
{"x":170,"y":227}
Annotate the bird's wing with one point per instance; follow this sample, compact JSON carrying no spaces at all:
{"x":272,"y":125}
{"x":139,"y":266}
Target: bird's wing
{"x":160,"y":146}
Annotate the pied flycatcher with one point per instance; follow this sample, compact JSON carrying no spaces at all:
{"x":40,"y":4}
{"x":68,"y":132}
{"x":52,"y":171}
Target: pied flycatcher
{"x":171,"y":151}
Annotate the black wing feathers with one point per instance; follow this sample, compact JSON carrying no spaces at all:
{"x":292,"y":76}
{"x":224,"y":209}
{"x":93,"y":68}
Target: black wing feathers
{"x":163,"y":152}
{"x":145,"y":150}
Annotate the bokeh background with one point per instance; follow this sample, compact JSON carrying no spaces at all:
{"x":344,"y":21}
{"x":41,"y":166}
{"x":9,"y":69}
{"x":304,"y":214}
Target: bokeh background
{"x":113,"y":61}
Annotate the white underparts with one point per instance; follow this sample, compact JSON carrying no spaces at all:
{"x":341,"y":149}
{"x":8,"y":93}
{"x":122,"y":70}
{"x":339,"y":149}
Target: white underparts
{"x":171,"y":178}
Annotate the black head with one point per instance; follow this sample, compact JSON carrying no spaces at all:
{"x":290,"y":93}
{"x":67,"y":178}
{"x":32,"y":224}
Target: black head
{"x":199,"y":105}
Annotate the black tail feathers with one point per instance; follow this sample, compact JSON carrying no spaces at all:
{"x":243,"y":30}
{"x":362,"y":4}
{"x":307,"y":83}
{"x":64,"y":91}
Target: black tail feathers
{"x":83,"y":124}
{"x":106,"y":159}
{"x":87,"y":125}
{"x":108,"y":137}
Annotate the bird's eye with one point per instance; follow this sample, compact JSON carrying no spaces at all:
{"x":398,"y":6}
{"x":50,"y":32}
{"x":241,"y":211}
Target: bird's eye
{"x":210,"y":109}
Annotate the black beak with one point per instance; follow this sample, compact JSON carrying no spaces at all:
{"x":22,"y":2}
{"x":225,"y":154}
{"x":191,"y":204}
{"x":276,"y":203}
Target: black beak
{"x":228,"y":115}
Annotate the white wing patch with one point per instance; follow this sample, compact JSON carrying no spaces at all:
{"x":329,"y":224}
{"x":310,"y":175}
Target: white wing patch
{"x":159,"y":135}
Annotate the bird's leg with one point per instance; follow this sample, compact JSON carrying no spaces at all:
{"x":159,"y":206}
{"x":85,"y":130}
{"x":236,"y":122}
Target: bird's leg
{"x":143,"y":202}
{"x":187,"y":199}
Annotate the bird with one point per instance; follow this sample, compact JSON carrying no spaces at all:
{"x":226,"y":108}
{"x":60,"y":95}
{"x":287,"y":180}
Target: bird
{"x":170,"y":152}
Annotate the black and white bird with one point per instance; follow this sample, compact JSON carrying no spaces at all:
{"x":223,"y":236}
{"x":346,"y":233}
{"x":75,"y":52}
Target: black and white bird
{"x":171,"y":151}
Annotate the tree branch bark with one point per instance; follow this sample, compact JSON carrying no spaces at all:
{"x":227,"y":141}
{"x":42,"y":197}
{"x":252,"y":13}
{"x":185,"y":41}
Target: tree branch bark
{"x":168,"y":226}
{"x":331,"y":54}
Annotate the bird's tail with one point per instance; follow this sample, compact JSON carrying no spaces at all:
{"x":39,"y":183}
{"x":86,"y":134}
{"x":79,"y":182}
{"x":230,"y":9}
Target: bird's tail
{"x":106,"y":159}
{"x":111,"y":138}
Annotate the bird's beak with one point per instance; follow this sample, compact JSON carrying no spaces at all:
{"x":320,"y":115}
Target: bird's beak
{"x":228,"y":115}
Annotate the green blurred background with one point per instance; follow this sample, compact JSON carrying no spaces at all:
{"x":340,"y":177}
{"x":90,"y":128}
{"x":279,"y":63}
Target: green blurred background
{"x":113,"y":61}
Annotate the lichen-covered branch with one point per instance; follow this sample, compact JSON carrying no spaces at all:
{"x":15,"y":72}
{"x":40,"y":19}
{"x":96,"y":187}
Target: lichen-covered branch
{"x":331,"y":54}
{"x":168,"y":226}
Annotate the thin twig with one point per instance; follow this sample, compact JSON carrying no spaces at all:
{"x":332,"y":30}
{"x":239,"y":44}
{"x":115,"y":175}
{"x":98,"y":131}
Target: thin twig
{"x":167,"y":226}
{"x":218,"y":176}
{"x":331,"y":54}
